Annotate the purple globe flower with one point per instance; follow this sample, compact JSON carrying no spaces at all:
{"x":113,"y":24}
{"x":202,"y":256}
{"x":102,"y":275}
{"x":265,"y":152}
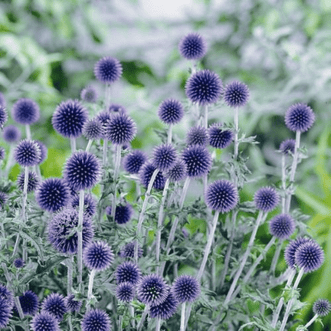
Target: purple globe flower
{"x":166,"y":309}
{"x":25,"y":111}
{"x":2,"y":100}
{"x":171,"y":111}
{"x":52,"y":194}
{"x":219,"y":138}
{"x":123,"y":214}
{"x":45,"y":321}
{"x":3,"y":200}
{"x":133,"y":161}
{"x":309,"y":256}
{"x":292,"y":247}
{"x":3,"y":116}
{"x":43,"y":151}
{"x":164,"y":157}
{"x":125,"y":292}
{"x":186,"y":289}
{"x":93,"y":129}
{"x":152,"y":290}
{"x":29,"y":302}
{"x":5,"y":313}
{"x":120,"y":129}
{"x":55,"y":305}
{"x":204,"y":87}
{"x":69,"y":118}
{"x":98,"y":256}
{"x":2,"y":153}
{"x":104,"y":117}
{"x":178,"y":172}
{"x":322,"y":307}
{"x":7,"y":296}
{"x":33,"y":181}
{"x":89,"y":94}
{"x":198,"y":161}
{"x":62,"y":234}
{"x":11,"y":134}
{"x":287,"y":146}
{"x":146,"y":173}
{"x":299,"y":117}
{"x":82,"y":170}
{"x":72,"y":304}
{"x":115,"y":108}
{"x":108,"y":70}
{"x":127,"y":272}
{"x":19,"y":263}
{"x":282,"y":226}
{"x":90,"y":204}
{"x":96,"y":320}
{"x":266,"y":199}
{"x":27,"y":153}
{"x":236,"y":94}
{"x":198,"y":135}
{"x":192,"y":46}
{"x":128,"y":251}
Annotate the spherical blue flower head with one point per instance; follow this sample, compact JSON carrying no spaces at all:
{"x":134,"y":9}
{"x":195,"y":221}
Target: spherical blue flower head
{"x":96,"y":320}
{"x":299,"y":117}
{"x":282,"y":226}
{"x":89,"y":94}
{"x":72,"y":304}
{"x":82,"y":170}
{"x":33,"y":181}
{"x":6,"y":296}
{"x":25,"y":111}
{"x":219,"y":138}
{"x":166,"y":309}
{"x":29,"y":303}
{"x":178,"y":172}
{"x":3,"y":116}
{"x":120,"y":129}
{"x":164,"y":157}
{"x":146,"y":173}
{"x":27,"y":153}
{"x":236,"y":94}
{"x":127,"y":272}
{"x":192,"y":47}
{"x":125,"y":292}
{"x":309,"y":256}
{"x":104,"y":118}
{"x":108,"y":70}
{"x":186,"y":289}
{"x":133,"y":161}
{"x":69,"y":118}
{"x":5,"y":313}
{"x":171,"y":111}
{"x":322,"y":307}
{"x":45,"y":321}
{"x":2,"y":153}
{"x":90,"y":204}
{"x":116,"y":108}
{"x":55,"y":305}
{"x":2,"y":100}
{"x":43,"y":151}
{"x":287,"y":146}
{"x":61,"y":232}
{"x":266,"y":199}
{"x":198,"y":161}
{"x":3,"y":200}
{"x":152,"y":290}
{"x":198,"y":135}
{"x":204,"y":87}
{"x":98,"y":256}
{"x":19,"y":263}
{"x":291,"y":248}
{"x":128,"y":251}
{"x":123,"y":214}
{"x":93,"y":129}
{"x":11,"y":134}
{"x":52,"y":194}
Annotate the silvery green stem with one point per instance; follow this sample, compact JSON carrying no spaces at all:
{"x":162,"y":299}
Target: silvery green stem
{"x":131,"y":310}
{"x":19,"y":307}
{"x":245,"y":257}
{"x":89,"y":144}
{"x":28,"y":131}
{"x":116,"y":171}
{"x":107,"y":96}
{"x":290,"y":303}
{"x":142,"y":320}
{"x":70,"y":322}
{"x":158,"y":324}
{"x":9,"y":160}
{"x":205,"y":184}
{"x":276,"y":257}
{"x":25,"y":192}
{"x":160,"y":223}
{"x":206,"y":117}
{"x":80,"y":238}
{"x":236,"y":129}
{"x":73,"y":144}
{"x":169,"y":134}
{"x":90,"y":284}
{"x":120,"y":322}
{"x":104,"y":151}
{"x":38,"y":171}
{"x":70,"y":272}
{"x":311,"y":321}
{"x":283,"y":183}
{"x":182,"y":319}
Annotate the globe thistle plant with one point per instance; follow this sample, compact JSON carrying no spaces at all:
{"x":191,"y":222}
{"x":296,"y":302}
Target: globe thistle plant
{"x":29,"y":302}
{"x":108,"y":70}
{"x":92,"y":129}
{"x":133,"y":162}
{"x":5,"y":313}
{"x":90,"y":204}
{"x":166,"y":309}
{"x":322,"y":307}
{"x":33,"y":181}
{"x":197,"y":135}
{"x":171,"y":111}
{"x":55,"y":305}
{"x":236,"y":94}
{"x":115,"y":108}
{"x":19,"y":263}
{"x":146,"y":173}
{"x":2,"y":154}
{"x":299,"y":117}
{"x":27,"y":153}
{"x":43,"y":151}
{"x":25,"y":111}
{"x":177,"y":172}
{"x":123,"y":213}
{"x":186,"y":289}
{"x":266,"y":199}
{"x":309,"y":256}
{"x":125,"y":292}
{"x":127,"y":272}
{"x":198,"y":161}
{"x":291,"y":249}
{"x":287,"y":146}
{"x":89,"y":94}
{"x":3,"y":116}
{"x":120,"y":129}
{"x":218,"y":137}
{"x":96,"y":320}
{"x":11,"y":134}
{"x":282,"y":226}
{"x":7,"y":296}
{"x":164,"y":157}
{"x":192,"y":46}
{"x":128,"y":251}
{"x":45,"y":321}
{"x":72,"y":304}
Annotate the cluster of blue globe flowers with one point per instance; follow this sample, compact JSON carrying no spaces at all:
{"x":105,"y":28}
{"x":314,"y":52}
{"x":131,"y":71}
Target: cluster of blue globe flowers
{"x":140,"y":277}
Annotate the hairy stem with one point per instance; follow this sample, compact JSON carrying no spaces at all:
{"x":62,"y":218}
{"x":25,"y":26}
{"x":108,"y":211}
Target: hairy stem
{"x":73,"y":144}
{"x":70,"y":273}
{"x":89,"y":144}
{"x":236,"y":130}
{"x":90,"y":284}
{"x":283,"y":183}
{"x":116,"y":171}
{"x":206,"y":117}
{"x":142,"y":320}
{"x":131,"y":310}
{"x":311,"y":321}
{"x":182,"y":319}
{"x":169,"y":140}
{"x":28,"y":131}
{"x":276,"y":257}
{"x":158,"y":324}
{"x":80,"y":239}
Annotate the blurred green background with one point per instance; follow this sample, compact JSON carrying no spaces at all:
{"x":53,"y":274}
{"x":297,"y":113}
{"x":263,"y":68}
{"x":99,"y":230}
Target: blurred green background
{"x":280,"y":49}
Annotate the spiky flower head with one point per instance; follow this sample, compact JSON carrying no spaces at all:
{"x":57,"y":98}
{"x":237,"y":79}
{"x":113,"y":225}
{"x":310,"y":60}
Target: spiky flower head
{"x":198,"y":161}
{"x":29,"y":302}
{"x":309,"y":256}
{"x":2,"y":153}
{"x":3,"y":116}
{"x":192,"y":46}
{"x":287,"y":146}
{"x":25,"y":111}
{"x":55,"y":305}
{"x":89,"y":94}
{"x":52,"y":194}
{"x":186,"y":288}
{"x":33,"y":181}
{"x":43,"y":151}
{"x":69,"y":118}
{"x":62,"y":234}
{"x":2,"y":100}
{"x":266,"y":199}
{"x":104,"y":118}
{"x":178,"y":172}
{"x":19,"y":263}
{"x":98,"y":256}
{"x":27,"y":153}
{"x":3,"y":200}
{"x":133,"y":161}
{"x":197,"y":135}
{"x":322,"y":307}
{"x":90,"y":204}
{"x":93,"y":129}
{"x":115,"y":108}
{"x":166,"y":309}
{"x":128,"y":251}
{"x":152,"y":289}
{"x":282,"y":226}
{"x":204,"y":87}
{"x":96,"y":320}
{"x":11,"y":134}
{"x":6,"y":296}
{"x":123,"y":213}
{"x":171,"y":111}
{"x":120,"y":129}
{"x":218,"y":137}
{"x":125,"y":292}
{"x":45,"y":321}
{"x":72,"y":304}
{"x":108,"y":70}
{"x":236,"y":94}
{"x":299,"y":117}
{"x":146,"y":173}
{"x":164,"y":157}
{"x":128,"y":272}
{"x":5,"y":313}
{"x":292,"y":247}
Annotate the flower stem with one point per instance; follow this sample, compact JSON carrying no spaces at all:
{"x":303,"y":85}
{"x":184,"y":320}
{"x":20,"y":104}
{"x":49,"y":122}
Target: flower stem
{"x":131,"y":309}
{"x":104,"y":151}
{"x":28,"y":131}
{"x":283,"y":182}
{"x":182,"y":320}
{"x":9,"y":160}
{"x":311,"y":321}
{"x":142,"y":320}
{"x":236,"y":130}
{"x":170,"y":134}
{"x":80,"y":239}
{"x":70,"y":272}
{"x":206,"y":117}
{"x":90,"y":284}
{"x":73,"y":144}
{"x":107,"y":96}
{"x":89,"y":144}
{"x":158,"y":324}
{"x":116,"y":171}
{"x":276,"y":257}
